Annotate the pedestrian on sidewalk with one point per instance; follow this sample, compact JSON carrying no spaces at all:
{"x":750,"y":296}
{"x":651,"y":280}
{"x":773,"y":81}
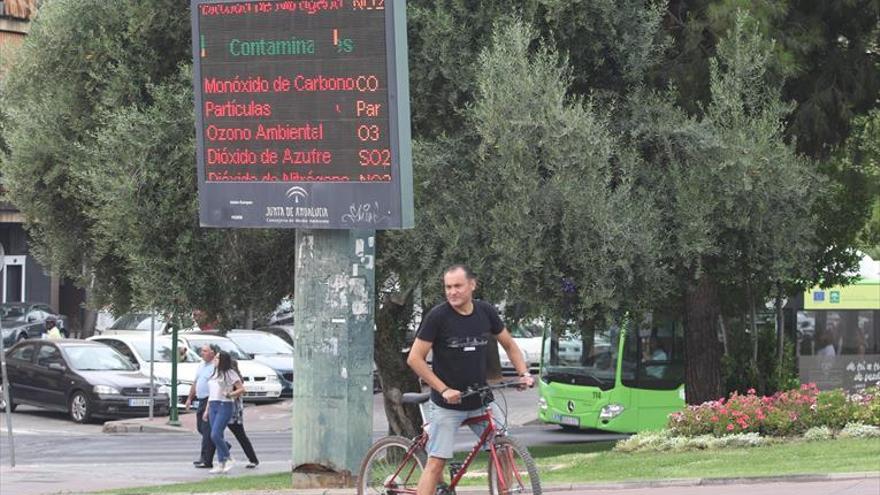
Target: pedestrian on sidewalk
{"x":199,"y":390}
{"x":224,"y":388}
{"x":236,"y":426}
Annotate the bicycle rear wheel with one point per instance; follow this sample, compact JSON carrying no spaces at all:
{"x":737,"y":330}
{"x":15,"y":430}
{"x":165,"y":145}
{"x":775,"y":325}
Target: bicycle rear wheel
{"x":386,"y":469}
{"x":519,"y":474}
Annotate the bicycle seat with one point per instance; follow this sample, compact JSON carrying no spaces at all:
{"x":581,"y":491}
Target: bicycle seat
{"x":415,"y":398}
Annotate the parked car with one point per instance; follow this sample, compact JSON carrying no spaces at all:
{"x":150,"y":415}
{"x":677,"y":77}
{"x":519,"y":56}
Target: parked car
{"x":85,"y":379}
{"x":285,"y":332}
{"x":261,"y":382}
{"x":137,"y":349}
{"x":137,"y":323}
{"x":24,"y":320}
{"x":528,"y":337}
{"x":269,"y":350}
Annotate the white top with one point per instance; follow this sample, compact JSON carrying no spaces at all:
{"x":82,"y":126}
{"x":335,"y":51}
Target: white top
{"x":219,"y":386}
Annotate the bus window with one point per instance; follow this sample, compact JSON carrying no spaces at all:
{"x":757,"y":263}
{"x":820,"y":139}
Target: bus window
{"x":806,"y":332}
{"x":657,"y":349}
{"x":838,"y":333}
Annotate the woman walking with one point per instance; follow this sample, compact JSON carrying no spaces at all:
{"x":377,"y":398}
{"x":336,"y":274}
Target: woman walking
{"x":224,"y":387}
{"x":236,"y":426}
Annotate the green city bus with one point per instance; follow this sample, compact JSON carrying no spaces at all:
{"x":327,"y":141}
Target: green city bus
{"x":622,"y":377}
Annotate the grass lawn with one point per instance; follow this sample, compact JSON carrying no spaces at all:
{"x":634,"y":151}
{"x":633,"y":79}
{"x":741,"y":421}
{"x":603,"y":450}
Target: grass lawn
{"x":596,"y":462}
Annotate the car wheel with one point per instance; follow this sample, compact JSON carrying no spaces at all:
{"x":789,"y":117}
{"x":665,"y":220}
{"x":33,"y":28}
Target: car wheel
{"x":22,"y":336}
{"x":80,"y":409}
{"x":12,"y":404}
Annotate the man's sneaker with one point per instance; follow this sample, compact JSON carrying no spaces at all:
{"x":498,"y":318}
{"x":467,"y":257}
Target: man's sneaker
{"x":227,"y":466}
{"x":252,"y":465}
{"x":203,"y":465}
{"x":219,"y":468}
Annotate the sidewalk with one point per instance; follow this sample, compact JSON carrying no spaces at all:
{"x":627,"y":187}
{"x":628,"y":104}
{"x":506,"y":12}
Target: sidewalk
{"x":274,"y":417}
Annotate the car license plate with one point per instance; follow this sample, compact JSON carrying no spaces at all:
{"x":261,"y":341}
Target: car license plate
{"x":138,"y":402}
{"x":256,"y":388}
{"x":568,"y":420}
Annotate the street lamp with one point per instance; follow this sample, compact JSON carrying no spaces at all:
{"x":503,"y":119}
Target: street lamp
{"x":5,"y":376}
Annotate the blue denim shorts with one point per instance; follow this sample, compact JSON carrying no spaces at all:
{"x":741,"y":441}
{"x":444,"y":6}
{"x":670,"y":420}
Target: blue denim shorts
{"x":443,"y":423}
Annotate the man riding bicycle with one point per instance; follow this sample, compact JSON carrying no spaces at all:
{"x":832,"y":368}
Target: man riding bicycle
{"x":457,"y":331}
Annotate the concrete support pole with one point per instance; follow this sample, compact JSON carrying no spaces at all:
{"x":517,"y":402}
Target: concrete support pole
{"x":333,"y":360}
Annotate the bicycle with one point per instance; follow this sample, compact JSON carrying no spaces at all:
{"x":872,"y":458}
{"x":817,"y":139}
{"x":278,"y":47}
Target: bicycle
{"x":394,"y":464}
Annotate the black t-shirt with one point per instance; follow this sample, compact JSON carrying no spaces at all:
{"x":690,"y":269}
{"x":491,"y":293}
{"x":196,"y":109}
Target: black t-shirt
{"x":459,"y":346}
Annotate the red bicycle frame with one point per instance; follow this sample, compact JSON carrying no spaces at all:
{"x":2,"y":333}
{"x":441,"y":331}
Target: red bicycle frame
{"x":491,"y":430}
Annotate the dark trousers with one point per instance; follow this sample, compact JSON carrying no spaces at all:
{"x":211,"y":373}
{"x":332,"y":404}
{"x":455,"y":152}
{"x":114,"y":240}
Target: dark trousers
{"x":237,"y":429}
{"x":204,"y":428}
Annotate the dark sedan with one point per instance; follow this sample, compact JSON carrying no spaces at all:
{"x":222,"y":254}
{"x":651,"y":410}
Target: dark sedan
{"x":269,"y":350}
{"x":22,"y":320}
{"x":85,"y":379}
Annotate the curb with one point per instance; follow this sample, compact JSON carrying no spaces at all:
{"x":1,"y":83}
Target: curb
{"x":622,"y":485}
{"x":682,"y":482}
{"x":134,"y":426}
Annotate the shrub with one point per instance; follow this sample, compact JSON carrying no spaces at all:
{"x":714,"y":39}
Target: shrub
{"x":868,"y":409}
{"x":833,"y":409}
{"x":860,"y":430}
{"x":790,"y":413}
{"x":784,"y":413}
{"x":818,"y":433}
{"x":665,"y":442}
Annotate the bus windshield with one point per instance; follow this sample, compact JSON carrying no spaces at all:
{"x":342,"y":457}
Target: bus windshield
{"x":581,"y":356}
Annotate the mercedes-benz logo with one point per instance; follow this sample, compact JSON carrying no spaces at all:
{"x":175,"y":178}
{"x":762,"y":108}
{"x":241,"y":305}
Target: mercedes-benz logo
{"x":570,"y":406}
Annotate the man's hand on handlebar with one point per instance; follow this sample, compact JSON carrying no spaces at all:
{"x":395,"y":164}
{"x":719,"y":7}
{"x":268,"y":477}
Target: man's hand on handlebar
{"x":451,"y":396}
{"x":526,"y":381}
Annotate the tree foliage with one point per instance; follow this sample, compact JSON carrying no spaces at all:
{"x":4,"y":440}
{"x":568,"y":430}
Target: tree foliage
{"x":101,"y":141}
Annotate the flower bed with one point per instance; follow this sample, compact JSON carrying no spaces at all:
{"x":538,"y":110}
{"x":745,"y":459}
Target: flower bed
{"x":783,"y":414}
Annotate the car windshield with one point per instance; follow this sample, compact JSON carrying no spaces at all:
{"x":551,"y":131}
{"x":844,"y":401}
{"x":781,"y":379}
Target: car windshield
{"x":162,"y":351}
{"x":253,"y":343}
{"x":97,"y":358}
{"x":14,"y":312}
{"x":224,"y":345}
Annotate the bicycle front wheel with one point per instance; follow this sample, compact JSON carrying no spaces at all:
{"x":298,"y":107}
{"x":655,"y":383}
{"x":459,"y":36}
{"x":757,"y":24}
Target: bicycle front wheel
{"x":387,"y":470}
{"x":518,"y":473}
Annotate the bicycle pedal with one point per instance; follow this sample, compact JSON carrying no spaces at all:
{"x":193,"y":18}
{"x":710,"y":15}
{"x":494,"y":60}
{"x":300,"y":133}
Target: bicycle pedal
{"x":454,"y":468}
{"x":443,"y":489}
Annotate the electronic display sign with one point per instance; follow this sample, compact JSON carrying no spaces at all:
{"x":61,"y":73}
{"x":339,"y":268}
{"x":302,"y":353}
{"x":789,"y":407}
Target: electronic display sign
{"x":302,"y":114}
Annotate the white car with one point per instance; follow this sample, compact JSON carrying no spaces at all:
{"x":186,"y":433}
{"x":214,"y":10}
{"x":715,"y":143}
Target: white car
{"x":261,"y":382}
{"x":137,"y":324}
{"x":137,"y":349}
{"x":528,"y":338}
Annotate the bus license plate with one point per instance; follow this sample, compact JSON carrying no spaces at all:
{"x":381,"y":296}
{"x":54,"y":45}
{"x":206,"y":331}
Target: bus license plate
{"x":568,"y":420}
{"x":138,"y":402}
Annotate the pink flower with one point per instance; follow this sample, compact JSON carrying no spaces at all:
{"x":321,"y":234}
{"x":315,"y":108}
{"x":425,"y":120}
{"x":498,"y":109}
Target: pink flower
{"x":751,"y":391}
{"x":729,"y":427}
{"x":714,"y":419}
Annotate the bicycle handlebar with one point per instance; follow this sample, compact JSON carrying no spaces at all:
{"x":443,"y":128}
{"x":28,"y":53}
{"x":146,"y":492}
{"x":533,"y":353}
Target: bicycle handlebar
{"x":485,"y":389}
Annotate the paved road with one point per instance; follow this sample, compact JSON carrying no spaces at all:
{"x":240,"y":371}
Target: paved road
{"x":54,"y":454}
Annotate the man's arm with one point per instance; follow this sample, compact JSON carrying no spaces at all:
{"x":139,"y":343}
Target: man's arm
{"x":515,"y":355}
{"x":417,"y":360}
{"x":191,"y":396}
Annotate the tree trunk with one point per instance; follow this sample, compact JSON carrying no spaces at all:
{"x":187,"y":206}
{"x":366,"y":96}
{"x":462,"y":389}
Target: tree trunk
{"x":392,"y":317}
{"x":702,"y":351}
